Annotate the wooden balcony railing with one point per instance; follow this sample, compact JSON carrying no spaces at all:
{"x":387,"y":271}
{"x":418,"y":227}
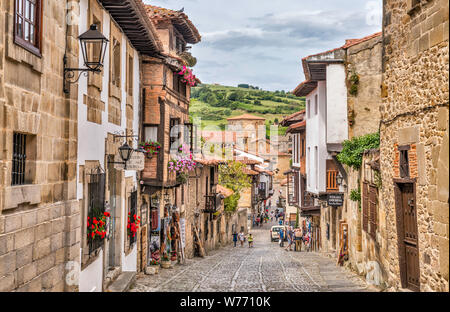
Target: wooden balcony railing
{"x":332,"y":185}
{"x":210,"y":203}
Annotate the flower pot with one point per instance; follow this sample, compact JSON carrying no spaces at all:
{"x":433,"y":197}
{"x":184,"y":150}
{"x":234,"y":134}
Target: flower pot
{"x":165,"y":264}
{"x":152,"y":269}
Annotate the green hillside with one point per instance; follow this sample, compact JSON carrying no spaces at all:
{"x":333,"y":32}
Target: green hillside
{"x":215,"y":103}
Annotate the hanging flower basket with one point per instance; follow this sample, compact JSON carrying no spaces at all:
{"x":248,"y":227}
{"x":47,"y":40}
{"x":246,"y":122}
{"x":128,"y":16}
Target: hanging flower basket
{"x":182,"y":164}
{"x":151,"y":148}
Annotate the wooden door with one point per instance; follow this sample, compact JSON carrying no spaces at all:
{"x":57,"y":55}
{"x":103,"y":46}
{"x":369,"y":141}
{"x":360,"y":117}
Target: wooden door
{"x":408,"y":237}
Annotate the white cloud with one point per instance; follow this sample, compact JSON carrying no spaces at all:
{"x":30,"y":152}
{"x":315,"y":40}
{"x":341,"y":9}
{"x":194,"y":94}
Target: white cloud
{"x":261,"y":42}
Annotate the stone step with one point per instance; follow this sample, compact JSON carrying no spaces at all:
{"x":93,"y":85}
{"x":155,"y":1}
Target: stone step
{"x":123,"y":282}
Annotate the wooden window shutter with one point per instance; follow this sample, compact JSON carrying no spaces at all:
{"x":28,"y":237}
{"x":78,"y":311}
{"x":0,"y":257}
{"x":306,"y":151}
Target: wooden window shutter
{"x":373,"y":210}
{"x":365,"y":206}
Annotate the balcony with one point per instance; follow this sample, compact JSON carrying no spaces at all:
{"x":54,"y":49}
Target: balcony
{"x":308,"y":200}
{"x":211,"y":203}
{"x":332,"y":185}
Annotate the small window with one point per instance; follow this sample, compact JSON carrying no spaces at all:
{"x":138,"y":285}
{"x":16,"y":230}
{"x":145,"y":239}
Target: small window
{"x":132,"y":208}
{"x":19,"y":159}
{"x":151,"y":133}
{"x":115,"y":68}
{"x":404,"y":161}
{"x":316,"y":104}
{"x":176,"y":82}
{"x":174,"y":132}
{"x":308,"y":108}
{"x":130,"y":75}
{"x":27,"y":24}
{"x":96,"y":203}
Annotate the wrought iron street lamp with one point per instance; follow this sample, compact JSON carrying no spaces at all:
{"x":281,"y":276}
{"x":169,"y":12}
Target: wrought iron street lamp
{"x":93,"y":48}
{"x":339,"y":179}
{"x":125,"y":151}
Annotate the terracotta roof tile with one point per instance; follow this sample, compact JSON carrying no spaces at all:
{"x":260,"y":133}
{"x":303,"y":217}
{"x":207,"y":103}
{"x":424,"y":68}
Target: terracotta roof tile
{"x":179,"y":19}
{"x":246,"y":117}
{"x":296,"y":126}
{"x":224,"y":190}
{"x":250,"y":171}
{"x":352,"y":42}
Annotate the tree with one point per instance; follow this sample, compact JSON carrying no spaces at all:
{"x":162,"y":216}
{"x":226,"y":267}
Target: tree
{"x":232,"y":176}
{"x":211,"y":99}
{"x":243,"y":85}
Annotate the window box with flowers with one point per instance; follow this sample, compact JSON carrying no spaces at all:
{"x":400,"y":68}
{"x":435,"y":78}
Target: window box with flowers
{"x":151,"y":148}
{"x":188,"y":77}
{"x":96,"y":228}
{"x":182,"y":163}
{"x":132,"y":227}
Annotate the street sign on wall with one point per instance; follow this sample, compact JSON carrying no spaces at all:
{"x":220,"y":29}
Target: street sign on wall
{"x":335,"y":200}
{"x":136,"y":162}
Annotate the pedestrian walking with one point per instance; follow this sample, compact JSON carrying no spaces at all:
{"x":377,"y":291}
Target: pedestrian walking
{"x":235,"y":238}
{"x":281,"y":241}
{"x":289,"y":236}
{"x":298,"y":239}
{"x":242,"y":238}
{"x":250,"y":240}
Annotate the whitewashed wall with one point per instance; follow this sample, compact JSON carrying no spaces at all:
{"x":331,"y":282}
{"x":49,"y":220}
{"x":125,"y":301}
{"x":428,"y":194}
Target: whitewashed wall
{"x":316,"y":130}
{"x":337,"y":129}
{"x":91,"y":139}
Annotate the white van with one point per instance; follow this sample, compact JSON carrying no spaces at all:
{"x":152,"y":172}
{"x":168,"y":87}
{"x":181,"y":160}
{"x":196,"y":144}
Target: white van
{"x":275,"y":232}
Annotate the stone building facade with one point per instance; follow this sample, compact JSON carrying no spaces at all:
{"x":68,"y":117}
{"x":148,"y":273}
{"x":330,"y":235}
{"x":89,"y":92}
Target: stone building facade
{"x":414,"y":143}
{"x":39,"y":215}
{"x":365,"y":248}
{"x":165,"y":119}
{"x":108,"y":116}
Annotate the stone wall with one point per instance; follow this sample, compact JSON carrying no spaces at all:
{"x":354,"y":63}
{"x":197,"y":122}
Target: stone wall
{"x":364,"y":60}
{"x":414,"y":111}
{"x":39,"y":221}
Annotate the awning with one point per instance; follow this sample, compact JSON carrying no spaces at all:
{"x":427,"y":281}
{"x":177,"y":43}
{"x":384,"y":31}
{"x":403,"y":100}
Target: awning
{"x":310,"y":211}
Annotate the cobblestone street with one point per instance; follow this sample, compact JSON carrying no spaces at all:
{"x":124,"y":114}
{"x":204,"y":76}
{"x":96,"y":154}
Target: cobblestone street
{"x":266,"y":267}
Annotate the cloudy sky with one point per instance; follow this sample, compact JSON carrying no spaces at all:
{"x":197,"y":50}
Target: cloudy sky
{"x":261,"y":42}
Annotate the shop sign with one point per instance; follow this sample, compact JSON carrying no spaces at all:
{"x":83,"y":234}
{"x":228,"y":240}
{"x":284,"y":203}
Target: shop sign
{"x":335,"y":200}
{"x":136,"y":162}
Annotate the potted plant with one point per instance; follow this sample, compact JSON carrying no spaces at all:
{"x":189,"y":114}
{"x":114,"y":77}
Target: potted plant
{"x":153,"y":268}
{"x":165,"y":261}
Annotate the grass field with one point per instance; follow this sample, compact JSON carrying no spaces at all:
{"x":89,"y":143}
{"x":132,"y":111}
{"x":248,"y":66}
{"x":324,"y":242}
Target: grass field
{"x":215,"y":103}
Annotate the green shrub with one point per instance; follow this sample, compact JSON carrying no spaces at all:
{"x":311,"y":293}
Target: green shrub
{"x":351,"y":154}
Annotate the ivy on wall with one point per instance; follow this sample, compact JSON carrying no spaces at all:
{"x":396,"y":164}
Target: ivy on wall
{"x":351,"y":154}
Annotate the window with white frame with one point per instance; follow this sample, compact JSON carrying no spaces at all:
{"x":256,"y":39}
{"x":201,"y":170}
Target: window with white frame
{"x":309,"y":166}
{"x":151,"y":133}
